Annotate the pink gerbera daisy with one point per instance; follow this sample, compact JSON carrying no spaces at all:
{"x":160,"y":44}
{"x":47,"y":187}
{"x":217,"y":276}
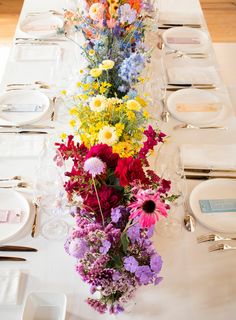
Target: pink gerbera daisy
{"x":147,"y":207}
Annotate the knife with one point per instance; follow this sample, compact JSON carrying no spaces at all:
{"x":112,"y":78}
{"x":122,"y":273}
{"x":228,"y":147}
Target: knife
{"x":17,"y":248}
{"x":207,"y":177}
{"x":25,"y":132}
{"x":26,"y":126}
{"x":2,"y":258}
{"x":201,"y":170}
{"x":17,"y":107}
{"x":192,"y":25}
{"x":191,"y":84}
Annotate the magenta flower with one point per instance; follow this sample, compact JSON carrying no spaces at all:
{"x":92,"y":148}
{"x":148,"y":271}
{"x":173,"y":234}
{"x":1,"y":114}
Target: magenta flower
{"x":147,"y":207}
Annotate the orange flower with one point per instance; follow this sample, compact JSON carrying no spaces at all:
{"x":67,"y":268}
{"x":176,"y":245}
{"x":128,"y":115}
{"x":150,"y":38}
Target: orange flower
{"x":136,"y":5}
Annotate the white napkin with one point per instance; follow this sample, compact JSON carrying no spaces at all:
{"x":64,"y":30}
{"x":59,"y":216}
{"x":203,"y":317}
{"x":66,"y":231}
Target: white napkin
{"x":209,"y":156}
{"x":9,"y":286}
{"x":21,"y":145}
{"x":173,"y":17}
{"x":193,"y":74}
{"x":37,"y":52}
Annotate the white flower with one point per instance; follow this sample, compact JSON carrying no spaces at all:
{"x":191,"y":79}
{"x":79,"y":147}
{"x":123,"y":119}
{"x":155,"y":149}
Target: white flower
{"x":94,"y":166}
{"x":98,"y":103}
{"x":108,"y":135}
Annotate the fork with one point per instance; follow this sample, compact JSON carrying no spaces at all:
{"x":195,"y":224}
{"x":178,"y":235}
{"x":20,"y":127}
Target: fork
{"x":220,"y":247}
{"x":13,"y":178}
{"x":212,"y":237}
{"x":18,"y":185}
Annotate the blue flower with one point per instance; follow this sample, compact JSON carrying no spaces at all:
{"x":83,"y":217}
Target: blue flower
{"x":131,"y":67}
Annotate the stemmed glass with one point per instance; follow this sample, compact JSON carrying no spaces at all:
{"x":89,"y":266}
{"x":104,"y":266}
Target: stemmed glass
{"x":170,"y":168}
{"x":49,"y":193}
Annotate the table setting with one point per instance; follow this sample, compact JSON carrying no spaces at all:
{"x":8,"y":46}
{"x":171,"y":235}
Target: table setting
{"x":117,"y":165}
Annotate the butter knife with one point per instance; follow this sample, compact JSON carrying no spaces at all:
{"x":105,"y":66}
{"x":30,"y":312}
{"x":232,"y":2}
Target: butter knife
{"x":202,"y":170}
{"x":191,"y":25}
{"x":207,"y":177}
{"x":25,"y":132}
{"x":17,"y":248}
{"x":191,"y":84}
{"x":26,"y":126}
{"x":2,"y":258}
{"x":176,"y":88}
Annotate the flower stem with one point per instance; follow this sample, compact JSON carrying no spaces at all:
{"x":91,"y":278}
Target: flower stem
{"x":99,"y":204}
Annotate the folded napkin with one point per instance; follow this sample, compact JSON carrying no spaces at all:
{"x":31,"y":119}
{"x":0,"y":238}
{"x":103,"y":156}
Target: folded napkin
{"x":193,"y":75}
{"x":209,"y":156}
{"x":21,"y":146}
{"x":9,"y":286}
{"x":37,"y":52}
{"x":177,"y":17}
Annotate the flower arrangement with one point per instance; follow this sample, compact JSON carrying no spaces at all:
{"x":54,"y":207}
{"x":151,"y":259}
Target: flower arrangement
{"x":116,"y":203}
{"x":114,"y":40}
{"x":116,"y":198}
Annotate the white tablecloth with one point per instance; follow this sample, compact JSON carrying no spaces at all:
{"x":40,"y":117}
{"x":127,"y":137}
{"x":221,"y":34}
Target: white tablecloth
{"x":196,"y":284}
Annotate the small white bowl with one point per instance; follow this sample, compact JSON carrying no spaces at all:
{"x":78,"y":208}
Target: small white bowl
{"x":45,"y":306}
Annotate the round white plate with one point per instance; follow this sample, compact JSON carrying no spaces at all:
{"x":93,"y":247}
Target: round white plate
{"x":178,"y":33}
{"x":40,"y":26}
{"x":224,"y":222}
{"x":24,"y":97}
{"x":194,"y":96}
{"x":11,"y":199}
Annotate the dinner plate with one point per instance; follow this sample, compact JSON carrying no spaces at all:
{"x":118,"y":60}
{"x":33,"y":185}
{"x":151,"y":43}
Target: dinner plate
{"x":224,"y":222}
{"x":186,"y":39}
{"x":41,"y":25}
{"x":197,"y":97}
{"x":11,"y":199}
{"x":24,"y":97}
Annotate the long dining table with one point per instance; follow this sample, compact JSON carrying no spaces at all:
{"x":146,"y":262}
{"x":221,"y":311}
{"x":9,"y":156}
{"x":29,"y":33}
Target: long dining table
{"x":197,"y":284}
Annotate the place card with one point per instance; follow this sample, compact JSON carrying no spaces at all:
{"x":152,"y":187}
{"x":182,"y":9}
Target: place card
{"x":218,"y":205}
{"x":198,"y":107}
{"x":183,"y":40}
{"x":10,"y":216}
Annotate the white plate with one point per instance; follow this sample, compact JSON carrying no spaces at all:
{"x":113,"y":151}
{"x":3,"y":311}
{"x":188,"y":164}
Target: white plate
{"x":45,"y":306}
{"x":24,"y":97}
{"x":224,"y":222}
{"x":194,"y":96}
{"x":186,"y":32}
{"x":11,"y":199}
{"x":41,"y":26}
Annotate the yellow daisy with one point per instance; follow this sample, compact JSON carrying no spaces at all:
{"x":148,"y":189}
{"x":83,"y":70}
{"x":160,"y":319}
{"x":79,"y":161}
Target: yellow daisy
{"x":107,"y":64}
{"x":96,"y":72}
{"x":108,"y":135}
{"x":98,"y":103}
{"x":133,"y":105}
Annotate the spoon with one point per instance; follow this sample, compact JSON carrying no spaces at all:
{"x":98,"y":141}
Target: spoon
{"x":189,"y":220}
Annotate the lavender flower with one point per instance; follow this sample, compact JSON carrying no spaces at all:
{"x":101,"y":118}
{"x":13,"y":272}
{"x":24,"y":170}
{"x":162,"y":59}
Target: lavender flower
{"x":144,"y":274}
{"x":156,"y":263}
{"x":115,"y":214}
{"x":134,"y":233}
{"x":127,"y":14}
{"x":94,"y":166}
{"x":130,"y":264}
{"x":105,"y":247}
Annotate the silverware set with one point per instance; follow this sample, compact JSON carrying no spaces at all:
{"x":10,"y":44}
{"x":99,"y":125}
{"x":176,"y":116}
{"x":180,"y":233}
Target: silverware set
{"x":12,"y":248}
{"x":206,"y":174}
{"x":215,"y":238}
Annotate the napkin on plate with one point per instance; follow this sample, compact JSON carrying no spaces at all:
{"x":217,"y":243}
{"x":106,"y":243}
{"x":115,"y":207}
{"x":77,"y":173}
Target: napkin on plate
{"x":21,"y":146}
{"x":181,"y":18}
{"x":9,"y":286}
{"x":209,"y":156}
{"x":193,"y":75}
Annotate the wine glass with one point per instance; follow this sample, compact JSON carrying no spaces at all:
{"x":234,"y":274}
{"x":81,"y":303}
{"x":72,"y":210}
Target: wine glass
{"x":170,"y":168}
{"x":49,"y":192}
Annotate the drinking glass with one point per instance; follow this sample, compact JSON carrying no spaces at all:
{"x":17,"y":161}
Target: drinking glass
{"x":170,"y":167}
{"x":49,"y":192}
